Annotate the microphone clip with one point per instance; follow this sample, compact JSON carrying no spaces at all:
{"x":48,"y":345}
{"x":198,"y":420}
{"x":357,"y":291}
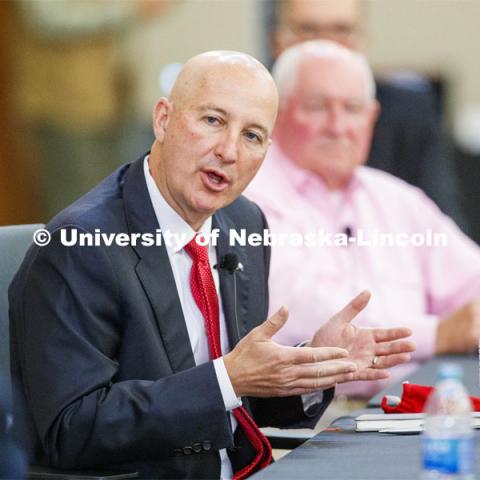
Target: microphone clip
{"x":230,"y":263}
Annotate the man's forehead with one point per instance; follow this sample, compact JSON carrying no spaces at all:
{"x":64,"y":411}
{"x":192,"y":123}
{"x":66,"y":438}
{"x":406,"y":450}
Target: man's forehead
{"x":322,"y":11}
{"x":245,"y":105}
{"x":316,"y":73}
{"x":236,"y":93}
{"x":219,"y":76}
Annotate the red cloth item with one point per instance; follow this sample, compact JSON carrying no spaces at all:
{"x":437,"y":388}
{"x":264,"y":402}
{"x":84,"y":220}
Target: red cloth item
{"x":205,"y":295}
{"x":414,"y":398}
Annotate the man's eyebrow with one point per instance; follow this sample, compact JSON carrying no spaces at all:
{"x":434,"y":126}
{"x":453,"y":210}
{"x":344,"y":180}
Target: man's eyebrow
{"x":203,"y":108}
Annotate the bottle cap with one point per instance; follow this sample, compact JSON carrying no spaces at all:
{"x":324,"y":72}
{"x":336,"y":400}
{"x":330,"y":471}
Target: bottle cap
{"x":449,"y":370}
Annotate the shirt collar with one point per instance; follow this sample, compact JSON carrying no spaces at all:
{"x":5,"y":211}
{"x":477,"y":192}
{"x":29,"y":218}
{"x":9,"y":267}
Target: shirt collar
{"x":303,"y":179}
{"x":168,"y":218}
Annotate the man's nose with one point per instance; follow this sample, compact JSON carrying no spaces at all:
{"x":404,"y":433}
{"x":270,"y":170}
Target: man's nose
{"x":337,"y":122}
{"x":226,"y":147}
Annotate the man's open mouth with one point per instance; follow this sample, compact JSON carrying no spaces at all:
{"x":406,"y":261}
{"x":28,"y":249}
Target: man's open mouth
{"x":215,"y":180}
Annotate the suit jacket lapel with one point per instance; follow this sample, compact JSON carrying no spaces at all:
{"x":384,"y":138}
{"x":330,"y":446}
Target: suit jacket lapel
{"x":155,"y":272}
{"x":234,"y":303}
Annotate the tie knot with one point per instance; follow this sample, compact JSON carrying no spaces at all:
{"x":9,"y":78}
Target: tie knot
{"x":198,"y":253}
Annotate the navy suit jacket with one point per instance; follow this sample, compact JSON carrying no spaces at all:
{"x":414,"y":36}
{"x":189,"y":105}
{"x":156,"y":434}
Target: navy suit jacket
{"x":101,"y":353}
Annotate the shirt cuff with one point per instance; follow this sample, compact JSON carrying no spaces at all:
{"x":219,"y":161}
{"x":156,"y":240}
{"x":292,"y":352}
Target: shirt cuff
{"x":425,"y":336}
{"x":230,"y":400}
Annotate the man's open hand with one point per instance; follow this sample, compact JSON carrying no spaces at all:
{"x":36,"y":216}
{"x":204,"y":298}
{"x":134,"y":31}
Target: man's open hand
{"x":365,"y":344}
{"x":258,"y":366}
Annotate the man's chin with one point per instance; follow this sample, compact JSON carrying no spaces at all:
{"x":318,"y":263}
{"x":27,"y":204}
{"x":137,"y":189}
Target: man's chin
{"x":209,"y":202}
{"x":208,"y":208}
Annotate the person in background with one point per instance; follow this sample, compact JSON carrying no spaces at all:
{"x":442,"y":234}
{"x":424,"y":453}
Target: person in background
{"x":314,"y":180}
{"x":408,"y":141}
{"x":70,"y":90}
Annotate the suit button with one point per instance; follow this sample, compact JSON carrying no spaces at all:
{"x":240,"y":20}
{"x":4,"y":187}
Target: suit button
{"x":187,"y":450}
{"x":178,"y":452}
{"x":197,"y":447}
{"x":207,"y":445}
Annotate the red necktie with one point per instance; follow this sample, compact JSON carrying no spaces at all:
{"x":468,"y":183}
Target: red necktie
{"x":205,"y":296}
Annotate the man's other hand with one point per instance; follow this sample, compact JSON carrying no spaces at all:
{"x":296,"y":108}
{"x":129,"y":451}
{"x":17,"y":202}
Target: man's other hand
{"x":460,"y":331}
{"x":258,"y":366}
{"x":372,"y":349}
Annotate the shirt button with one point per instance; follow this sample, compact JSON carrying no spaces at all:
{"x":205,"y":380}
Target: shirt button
{"x":197,"y":447}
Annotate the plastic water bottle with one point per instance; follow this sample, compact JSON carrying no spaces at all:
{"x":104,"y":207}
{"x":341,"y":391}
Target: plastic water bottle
{"x":448,"y":444}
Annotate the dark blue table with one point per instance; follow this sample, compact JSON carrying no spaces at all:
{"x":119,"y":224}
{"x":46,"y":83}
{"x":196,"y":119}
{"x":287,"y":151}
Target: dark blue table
{"x":340,"y":453}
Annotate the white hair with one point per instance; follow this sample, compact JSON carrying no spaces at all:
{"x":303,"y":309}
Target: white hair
{"x":285,"y":69}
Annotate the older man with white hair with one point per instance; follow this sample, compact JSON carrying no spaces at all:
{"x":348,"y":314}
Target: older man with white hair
{"x":359,"y":227}
{"x":407,"y":140}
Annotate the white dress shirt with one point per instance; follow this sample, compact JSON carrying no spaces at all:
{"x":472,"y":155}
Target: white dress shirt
{"x":181,"y":264}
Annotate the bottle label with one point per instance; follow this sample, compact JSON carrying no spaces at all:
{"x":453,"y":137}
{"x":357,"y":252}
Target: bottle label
{"x":448,"y":455}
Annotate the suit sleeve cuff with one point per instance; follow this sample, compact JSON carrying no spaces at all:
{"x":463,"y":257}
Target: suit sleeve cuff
{"x":230,"y":399}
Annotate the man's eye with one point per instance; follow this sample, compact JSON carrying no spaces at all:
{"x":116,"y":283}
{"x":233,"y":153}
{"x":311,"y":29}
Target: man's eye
{"x":252,"y":136}
{"x":211,"y":120}
{"x":315,"y":107}
{"x":355,"y":107}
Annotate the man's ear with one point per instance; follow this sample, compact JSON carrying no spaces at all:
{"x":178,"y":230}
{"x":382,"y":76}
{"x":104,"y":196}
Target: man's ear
{"x":278,"y":42}
{"x":161,"y":117}
{"x":375,"y":112}
{"x":274,"y":43}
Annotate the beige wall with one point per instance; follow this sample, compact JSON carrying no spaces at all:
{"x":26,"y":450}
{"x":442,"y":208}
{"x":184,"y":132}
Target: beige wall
{"x":438,"y":36}
{"x":192,"y":26}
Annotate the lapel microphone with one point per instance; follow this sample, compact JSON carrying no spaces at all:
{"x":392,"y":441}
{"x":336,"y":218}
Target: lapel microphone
{"x":230,"y":263}
{"x":348,"y":231}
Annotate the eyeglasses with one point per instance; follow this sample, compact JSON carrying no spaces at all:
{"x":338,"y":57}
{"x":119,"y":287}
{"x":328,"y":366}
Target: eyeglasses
{"x":310,"y":31}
